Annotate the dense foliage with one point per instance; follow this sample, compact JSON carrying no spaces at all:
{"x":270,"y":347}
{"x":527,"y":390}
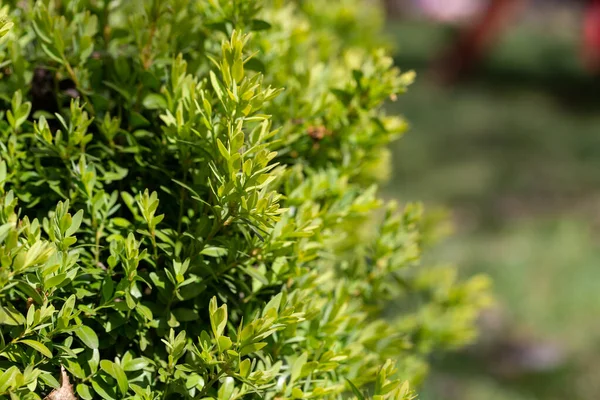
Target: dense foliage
{"x":188,"y":206}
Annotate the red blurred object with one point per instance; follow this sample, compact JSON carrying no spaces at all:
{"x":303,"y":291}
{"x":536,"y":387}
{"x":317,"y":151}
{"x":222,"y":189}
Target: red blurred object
{"x":591,"y":37}
{"x":474,"y":40}
{"x":450,"y":11}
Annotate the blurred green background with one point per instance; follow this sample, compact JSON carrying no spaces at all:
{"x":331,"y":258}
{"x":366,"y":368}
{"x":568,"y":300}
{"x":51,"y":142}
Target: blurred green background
{"x":514,"y":154}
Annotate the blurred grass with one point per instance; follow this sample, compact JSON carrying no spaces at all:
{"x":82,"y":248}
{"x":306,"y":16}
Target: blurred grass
{"x":515,"y":154}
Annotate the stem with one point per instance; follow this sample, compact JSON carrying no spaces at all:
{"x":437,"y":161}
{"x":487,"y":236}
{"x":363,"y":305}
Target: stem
{"x":164,"y":395}
{"x":217,"y":227}
{"x":146,"y":58}
{"x":106,"y":28}
{"x":146,"y":51}
{"x":181,"y":201}
{"x":154,"y":247}
{"x":15,"y":340}
{"x":73,"y":77}
{"x":170,"y":303}
{"x":98,"y":237}
{"x":182,"y":196}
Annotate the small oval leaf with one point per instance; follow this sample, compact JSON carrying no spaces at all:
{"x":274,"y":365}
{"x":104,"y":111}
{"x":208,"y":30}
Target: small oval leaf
{"x":87,"y":336}
{"x":38,"y":347}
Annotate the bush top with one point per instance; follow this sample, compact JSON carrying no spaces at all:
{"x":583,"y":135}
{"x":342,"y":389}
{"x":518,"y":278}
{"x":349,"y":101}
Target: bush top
{"x":188,"y":206}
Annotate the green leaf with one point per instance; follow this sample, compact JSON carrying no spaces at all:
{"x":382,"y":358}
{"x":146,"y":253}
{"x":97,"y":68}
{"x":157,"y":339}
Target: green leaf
{"x":218,"y":320}
{"x":355,"y":390}
{"x":237,"y":70}
{"x":251,"y":348}
{"x":49,"y":380}
{"x":297,"y":366}
{"x":121,"y":222}
{"x":154,"y":101}
{"x":213,"y":251}
{"x":216,"y":85}
{"x":87,"y":336}
{"x":344,"y":96}
{"x":103,"y":389}
{"x":22,"y":113}
{"x":30,"y":315}
{"x":245,"y":368}
{"x":10,"y":316}
{"x":75,"y":369}
{"x":136,"y":364}
{"x":194,"y":381}
{"x":5,"y":228}
{"x":223,"y":150}
{"x":30,"y":291}
{"x":123,"y":93}
{"x":37,"y":346}
{"x":67,"y":308}
{"x":107,"y":288}
{"x":53,"y":53}
{"x":254,"y":64}
{"x":75,"y":223}
{"x":224,"y":343}
{"x":256,"y":274}
{"x":144,"y":311}
{"x":121,"y":379}
{"x":297,"y":393}
{"x":273,"y":304}
{"x":41,"y":33}
{"x":94,"y":361}
{"x":107,"y":366}
{"x":226,"y":388}
{"x":84,"y":391}
{"x":8,"y":378}
{"x":260,"y":25}
{"x":185,"y":314}
{"x":54,"y":281}
{"x":6,"y":27}
{"x":117,"y":372}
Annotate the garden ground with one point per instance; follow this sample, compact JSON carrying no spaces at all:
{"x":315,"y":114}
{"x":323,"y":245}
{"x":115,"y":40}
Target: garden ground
{"x":514,"y":154}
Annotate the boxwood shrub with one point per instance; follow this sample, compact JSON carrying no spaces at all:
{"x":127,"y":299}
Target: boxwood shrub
{"x":189,"y":210}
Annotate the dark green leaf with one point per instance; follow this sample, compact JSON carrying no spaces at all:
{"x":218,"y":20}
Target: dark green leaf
{"x":260,"y":25}
{"x":103,"y":389}
{"x":355,"y":390}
